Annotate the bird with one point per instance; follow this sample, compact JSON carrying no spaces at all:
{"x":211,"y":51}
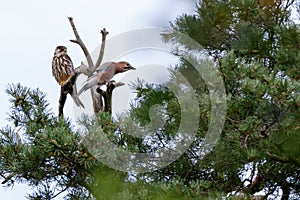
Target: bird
{"x":105,"y":73}
{"x":62,"y":70}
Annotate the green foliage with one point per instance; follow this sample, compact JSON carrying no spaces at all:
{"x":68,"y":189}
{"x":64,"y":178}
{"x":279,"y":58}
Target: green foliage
{"x":47,"y":153}
{"x":255,"y":46}
{"x":41,"y":149}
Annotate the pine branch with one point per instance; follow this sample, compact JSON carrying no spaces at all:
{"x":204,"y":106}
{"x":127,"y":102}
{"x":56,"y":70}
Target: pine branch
{"x":9,"y":177}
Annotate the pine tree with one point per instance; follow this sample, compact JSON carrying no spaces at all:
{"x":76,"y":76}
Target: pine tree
{"x":255,"y":45}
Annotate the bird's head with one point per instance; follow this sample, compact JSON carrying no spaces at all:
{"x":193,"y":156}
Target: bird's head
{"x":125,"y":66}
{"x":60,"y":50}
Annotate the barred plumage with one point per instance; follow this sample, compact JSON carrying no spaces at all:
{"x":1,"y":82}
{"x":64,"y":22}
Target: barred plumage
{"x":62,"y":66}
{"x":62,"y":70}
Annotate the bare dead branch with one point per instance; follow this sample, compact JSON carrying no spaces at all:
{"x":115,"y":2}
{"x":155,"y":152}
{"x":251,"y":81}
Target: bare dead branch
{"x":83,"y":69}
{"x":81,"y":44}
{"x":66,"y":88}
{"x":107,"y":95}
{"x":101,"y":53}
{"x":97,"y":100}
{"x":88,"y":70}
{"x":62,"y":101}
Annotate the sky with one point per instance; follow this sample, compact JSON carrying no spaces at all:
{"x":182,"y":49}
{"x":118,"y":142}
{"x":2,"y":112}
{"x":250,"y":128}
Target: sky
{"x":31,"y":29}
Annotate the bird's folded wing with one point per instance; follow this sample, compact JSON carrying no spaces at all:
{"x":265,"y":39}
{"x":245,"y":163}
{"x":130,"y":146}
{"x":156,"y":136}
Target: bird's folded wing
{"x":104,"y":67}
{"x":101,"y":68}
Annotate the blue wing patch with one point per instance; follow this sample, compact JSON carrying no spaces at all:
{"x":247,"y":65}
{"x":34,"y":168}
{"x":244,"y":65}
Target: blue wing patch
{"x":104,"y":69}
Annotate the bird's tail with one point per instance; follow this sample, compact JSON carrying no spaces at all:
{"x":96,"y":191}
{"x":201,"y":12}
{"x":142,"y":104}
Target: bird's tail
{"x":91,"y":82}
{"x":75,"y":97}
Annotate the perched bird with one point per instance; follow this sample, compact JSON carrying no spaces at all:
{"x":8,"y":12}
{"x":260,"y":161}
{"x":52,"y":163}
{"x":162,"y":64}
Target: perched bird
{"x":62,"y":70}
{"x":105,"y":73}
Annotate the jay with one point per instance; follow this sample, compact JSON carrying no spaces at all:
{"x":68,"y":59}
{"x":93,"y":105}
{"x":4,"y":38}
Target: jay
{"x":105,"y":73}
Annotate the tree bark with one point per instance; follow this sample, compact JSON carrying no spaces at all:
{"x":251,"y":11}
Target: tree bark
{"x":88,"y":70}
{"x":107,"y":95}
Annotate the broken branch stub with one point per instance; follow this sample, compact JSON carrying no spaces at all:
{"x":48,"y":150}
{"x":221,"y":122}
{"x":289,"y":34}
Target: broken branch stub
{"x":104,"y":33}
{"x":107,"y":95}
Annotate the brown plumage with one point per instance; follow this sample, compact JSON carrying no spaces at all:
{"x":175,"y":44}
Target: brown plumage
{"x":62,"y":70}
{"x":105,"y":73}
